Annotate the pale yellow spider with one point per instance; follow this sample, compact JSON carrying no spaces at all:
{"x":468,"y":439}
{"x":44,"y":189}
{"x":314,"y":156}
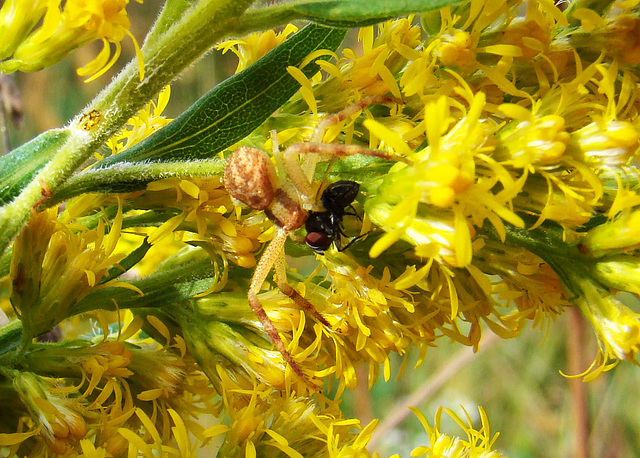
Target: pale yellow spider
{"x":250,"y":177}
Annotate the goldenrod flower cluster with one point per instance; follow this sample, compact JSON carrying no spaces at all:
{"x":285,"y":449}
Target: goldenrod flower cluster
{"x":507,"y":193}
{"x":40,"y":33}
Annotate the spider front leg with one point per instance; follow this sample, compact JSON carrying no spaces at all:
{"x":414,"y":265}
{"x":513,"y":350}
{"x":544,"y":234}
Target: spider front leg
{"x":299,"y":178}
{"x":273,"y":254}
{"x":332,"y":119}
{"x":301,"y":175}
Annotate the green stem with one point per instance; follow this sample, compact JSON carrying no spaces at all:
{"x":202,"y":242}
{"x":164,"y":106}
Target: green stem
{"x":130,"y":177}
{"x":205,"y":23}
{"x":546,"y":242}
{"x":193,"y":276}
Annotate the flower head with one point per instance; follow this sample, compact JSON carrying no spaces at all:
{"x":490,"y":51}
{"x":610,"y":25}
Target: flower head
{"x":254,"y":46}
{"x":268,"y":422}
{"x":478,"y":444}
{"x":434,"y":202}
{"x":103,"y":390}
{"x":42,"y":34}
{"x":617,"y":327}
{"x":54,"y":266}
{"x":60,"y":419}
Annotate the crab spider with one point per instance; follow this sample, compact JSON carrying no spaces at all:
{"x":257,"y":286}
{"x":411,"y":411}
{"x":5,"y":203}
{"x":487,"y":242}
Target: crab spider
{"x":250,"y":177}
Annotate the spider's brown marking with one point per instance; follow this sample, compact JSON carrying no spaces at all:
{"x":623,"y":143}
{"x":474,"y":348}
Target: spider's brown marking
{"x":250,"y":177}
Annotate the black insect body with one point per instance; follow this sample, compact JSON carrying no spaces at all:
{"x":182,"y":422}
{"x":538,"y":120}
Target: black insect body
{"x":325,"y":227}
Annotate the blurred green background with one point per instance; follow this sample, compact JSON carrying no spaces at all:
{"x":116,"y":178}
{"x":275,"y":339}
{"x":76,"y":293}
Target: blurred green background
{"x":537,"y":411}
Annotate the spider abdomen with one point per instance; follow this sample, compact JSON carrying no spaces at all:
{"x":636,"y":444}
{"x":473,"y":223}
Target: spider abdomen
{"x":250,"y":177}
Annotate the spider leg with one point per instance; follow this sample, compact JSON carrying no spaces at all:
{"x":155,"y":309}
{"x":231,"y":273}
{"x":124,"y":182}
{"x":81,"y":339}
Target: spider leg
{"x":310,"y":162}
{"x":301,"y":175}
{"x":297,"y":175}
{"x":281,"y":278}
{"x":271,"y":255}
{"x":352,"y":109}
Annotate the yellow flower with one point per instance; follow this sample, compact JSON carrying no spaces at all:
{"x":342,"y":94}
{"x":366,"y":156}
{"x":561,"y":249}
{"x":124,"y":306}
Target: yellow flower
{"x":620,"y":233}
{"x":455,"y":49}
{"x":626,"y":31}
{"x":607,"y":135}
{"x":455,"y":176}
{"x":111,"y":359}
{"x":617,"y":327}
{"x":105,"y":389}
{"x":478,"y":444}
{"x":536,"y":141}
{"x":202,"y":202}
{"x":608,"y":142}
{"x":368,"y":315}
{"x":148,"y":120}
{"x":254,"y":46}
{"x":456,"y":41}
{"x":531,"y":36}
{"x":525,"y":282}
{"x":618,"y":272}
{"x":17,"y":19}
{"x":268,"y":423}
{"x":54,"y":266}
{"x":372,"y":70}
{"x":616,"y":33}
{"x":60,"y":418}
{"x":170,"y":437}
{"x":212,"y":331}
{"x":60,"y":32}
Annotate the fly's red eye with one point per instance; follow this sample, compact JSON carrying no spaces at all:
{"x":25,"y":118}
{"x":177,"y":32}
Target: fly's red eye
{"x":318,"y":241}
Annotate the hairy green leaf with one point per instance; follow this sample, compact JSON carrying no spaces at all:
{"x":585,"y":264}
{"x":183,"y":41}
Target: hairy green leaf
{"x":133,"y":176}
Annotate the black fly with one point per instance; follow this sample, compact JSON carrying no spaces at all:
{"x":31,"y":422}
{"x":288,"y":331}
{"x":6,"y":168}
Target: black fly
{"x":325,"y":227}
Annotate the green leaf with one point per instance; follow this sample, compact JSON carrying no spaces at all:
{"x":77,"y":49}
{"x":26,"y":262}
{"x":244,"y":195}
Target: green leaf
{"x":355,"y":13}
{"x":19,"y":166}
{"x":337,"y":13}
{"x":10,"y":338}
{"x":127,"y":263}
{"x":235,"y":107}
